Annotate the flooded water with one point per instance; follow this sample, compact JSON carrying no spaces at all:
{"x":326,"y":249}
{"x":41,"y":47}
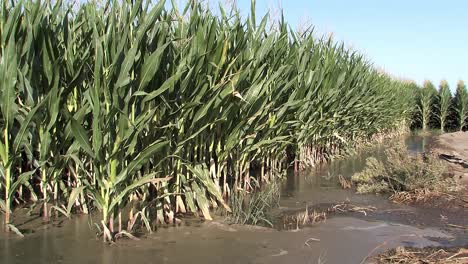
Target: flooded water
{"x":419,"y":144}
{"x":340,"y":239}
{"x":321,"y":184}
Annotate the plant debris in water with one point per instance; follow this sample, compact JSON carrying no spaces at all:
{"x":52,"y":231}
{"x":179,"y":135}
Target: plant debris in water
{"x":345,"y":184}
{"x":427,"y":255}
{"x":311,"y":216}
{"x":254,"y":208}
{"x":300,"y":219}
{"x":347,"y":207}
{"x":409,"y":178}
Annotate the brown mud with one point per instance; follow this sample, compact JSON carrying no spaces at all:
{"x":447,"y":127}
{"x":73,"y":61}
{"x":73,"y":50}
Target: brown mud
{"x":453,"y":147}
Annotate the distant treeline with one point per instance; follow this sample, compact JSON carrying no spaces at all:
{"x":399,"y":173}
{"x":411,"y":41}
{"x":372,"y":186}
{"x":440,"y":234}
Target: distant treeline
{"x":437,"y":108}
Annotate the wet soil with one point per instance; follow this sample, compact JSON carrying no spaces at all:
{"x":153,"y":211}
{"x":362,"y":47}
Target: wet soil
{"x":453,"y":147}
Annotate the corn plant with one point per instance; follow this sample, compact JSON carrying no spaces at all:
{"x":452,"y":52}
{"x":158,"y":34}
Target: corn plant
{"x":445,"y":99}
{"x":461,"y":105}
{"x":18,"y":110}
{"x":115,"y":126}
{"x":425,"y":104}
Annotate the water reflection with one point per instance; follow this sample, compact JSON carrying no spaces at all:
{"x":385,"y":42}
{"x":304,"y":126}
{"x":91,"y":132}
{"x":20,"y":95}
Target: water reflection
{"x":321,"y":184}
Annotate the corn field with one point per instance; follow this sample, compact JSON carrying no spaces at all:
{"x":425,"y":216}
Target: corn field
{"x":174,"y":108}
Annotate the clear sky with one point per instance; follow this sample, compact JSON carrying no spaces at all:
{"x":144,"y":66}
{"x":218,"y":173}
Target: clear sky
{"x":412,"y":39}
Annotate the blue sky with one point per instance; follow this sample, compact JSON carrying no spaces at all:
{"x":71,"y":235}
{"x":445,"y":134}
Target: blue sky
{"x":413,"y":39}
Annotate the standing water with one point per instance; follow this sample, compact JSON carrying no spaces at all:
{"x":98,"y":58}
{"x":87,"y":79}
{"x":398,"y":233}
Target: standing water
{"x":321,"y":184}
{"x":340,"y":239}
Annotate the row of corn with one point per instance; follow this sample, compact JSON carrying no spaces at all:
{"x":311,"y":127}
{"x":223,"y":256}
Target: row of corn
{"x":145,"y":110}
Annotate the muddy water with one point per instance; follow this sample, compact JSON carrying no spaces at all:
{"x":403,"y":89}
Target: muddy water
{"x":341,"y":239}
{"x":321,"y":185}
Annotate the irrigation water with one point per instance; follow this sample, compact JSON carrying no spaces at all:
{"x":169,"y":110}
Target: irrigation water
{"x":342,"y":238}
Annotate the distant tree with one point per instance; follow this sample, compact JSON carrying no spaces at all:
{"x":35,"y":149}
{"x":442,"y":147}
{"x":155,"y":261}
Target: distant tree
{"x":460,"y":104}
{"x":444,"y":98}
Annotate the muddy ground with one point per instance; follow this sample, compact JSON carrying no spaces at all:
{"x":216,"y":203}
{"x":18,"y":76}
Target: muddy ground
{"x":453,"y":147}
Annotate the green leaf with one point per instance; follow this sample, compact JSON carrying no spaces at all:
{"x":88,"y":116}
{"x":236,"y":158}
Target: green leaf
{"x":8,"y":68}
{"x":124,"y":77}
{"x":3,"y":153}
{"x":166,"y":85}
{"x":61,"y":210}
{"x":141,"y":159}
{"x":146,"y":179}
{"x":150,"y":66}
{"x":202,"y":175}
{"x":80,"y":135}
{"x":73,"y":196}
{"x":22,"y":179}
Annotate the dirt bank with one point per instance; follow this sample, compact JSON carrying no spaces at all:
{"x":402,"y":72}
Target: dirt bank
{"x":453,"y":148}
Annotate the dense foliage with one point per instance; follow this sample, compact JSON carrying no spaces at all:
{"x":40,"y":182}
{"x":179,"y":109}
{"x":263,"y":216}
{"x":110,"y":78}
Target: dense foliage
{"x":106,"y":105}
{"x":438,"y":109}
